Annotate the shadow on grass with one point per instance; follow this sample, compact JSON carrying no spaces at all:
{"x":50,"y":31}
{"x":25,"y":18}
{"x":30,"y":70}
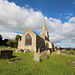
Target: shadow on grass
{"x":44,"y":58}
{"x":13,"y":60}
{"x":13,"y":57}
{"x":7,"y":57}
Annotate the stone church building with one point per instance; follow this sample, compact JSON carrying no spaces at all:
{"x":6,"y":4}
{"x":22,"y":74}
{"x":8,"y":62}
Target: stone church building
{"x":34,"y":42}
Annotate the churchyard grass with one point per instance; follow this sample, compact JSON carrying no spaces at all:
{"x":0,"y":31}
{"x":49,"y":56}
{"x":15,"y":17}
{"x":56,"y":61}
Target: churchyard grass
{"x":53,"y":65}
{"x":6,"y":48}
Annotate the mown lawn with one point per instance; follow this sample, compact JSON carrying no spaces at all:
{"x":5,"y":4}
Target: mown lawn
{"x":54,"y":65}
{"x":7,"y":48}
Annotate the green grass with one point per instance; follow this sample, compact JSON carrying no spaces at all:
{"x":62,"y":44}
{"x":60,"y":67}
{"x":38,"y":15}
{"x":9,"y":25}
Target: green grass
{"x":54,"y":65}
{"x":7,"y":48}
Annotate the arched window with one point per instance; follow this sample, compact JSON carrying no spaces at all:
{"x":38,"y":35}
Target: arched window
{"x":28,"y":40}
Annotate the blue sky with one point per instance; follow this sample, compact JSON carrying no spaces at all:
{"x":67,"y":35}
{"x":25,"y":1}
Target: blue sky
{"x":50,"y":8}
{"x":17,"y":15}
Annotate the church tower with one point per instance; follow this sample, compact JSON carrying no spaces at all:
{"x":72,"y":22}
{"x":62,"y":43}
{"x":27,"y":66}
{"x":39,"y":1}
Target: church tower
{"x":44,"y":34}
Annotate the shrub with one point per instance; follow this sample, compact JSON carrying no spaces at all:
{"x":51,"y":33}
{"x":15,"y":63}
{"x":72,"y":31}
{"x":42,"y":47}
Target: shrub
{"x":72,"y":52}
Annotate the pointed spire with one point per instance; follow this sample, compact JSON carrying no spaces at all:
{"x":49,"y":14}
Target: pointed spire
{"x":28,"y":27}
{"x":44,"y":25}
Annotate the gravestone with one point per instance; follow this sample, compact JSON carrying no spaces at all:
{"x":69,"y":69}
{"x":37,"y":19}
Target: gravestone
{"x":45,"y":54}
{"x":16,"y":51}
{"x":39,"y":50}
{"x":58,"y":52}
{"x":24,"y":51}
{"x":48,"y":51}
{"x":37,"y":56}
{"x":6,"y":54}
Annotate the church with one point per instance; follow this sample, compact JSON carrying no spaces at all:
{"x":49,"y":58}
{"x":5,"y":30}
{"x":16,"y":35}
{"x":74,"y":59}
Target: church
{"x":33,"y":42}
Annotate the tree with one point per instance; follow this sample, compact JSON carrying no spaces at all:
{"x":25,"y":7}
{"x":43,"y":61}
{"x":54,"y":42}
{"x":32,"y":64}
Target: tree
{"x":5,"y":42}
{"x":60,"y":48}
{"x":0,"y":37}
{"x":16,"y":40}
{"x":56,"y":48}
{"x":10,"y":43}
{"x":1,"y":41}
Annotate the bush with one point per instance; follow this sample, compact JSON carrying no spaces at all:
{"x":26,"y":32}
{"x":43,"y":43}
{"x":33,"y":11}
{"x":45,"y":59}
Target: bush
{"x":72,"y":52}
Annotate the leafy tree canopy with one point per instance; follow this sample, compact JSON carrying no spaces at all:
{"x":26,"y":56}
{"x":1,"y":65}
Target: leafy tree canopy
{"x":16,"y":40}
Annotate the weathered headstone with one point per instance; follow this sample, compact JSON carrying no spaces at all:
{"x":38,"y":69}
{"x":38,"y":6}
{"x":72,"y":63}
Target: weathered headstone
{"x":39,"y":50}
{"x":55,"y":49}
{"x":37,"y":57}
{"x":48,"y":51}
{"x":16,"y":51}
{"x":24,"y":51}
{"x":58,"y":52}
{"x":6,"y":54}
{"x":45,"y":55}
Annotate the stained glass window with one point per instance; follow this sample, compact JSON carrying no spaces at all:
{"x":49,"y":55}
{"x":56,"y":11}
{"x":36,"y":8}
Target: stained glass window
{"x":28,"y":40}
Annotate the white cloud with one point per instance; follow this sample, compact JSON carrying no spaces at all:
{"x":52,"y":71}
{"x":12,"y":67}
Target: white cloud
{"x":72,"y":19}
{"x":8,"y":34}
{"x":64,"y":33}
{"x":16,"y":18}
{"x":13,"y":17}
{"x":68,"y":15}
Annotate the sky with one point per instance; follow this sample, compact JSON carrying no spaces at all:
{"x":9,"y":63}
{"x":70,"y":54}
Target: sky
{"x":17,"y":15}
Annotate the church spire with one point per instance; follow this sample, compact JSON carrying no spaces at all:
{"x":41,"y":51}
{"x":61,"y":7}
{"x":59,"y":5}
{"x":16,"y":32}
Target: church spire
{"x":44,"y":34}
{"x":44,"y":25}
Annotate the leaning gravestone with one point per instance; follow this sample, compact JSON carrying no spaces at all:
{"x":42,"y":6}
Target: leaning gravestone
{"x":37,"y":57}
